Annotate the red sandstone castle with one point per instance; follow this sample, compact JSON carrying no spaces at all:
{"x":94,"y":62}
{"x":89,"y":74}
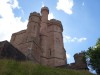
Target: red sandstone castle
{"x":42,"y":41}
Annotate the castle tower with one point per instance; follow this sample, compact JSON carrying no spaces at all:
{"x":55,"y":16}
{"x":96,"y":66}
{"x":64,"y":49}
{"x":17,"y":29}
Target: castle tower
{"x":28,"y":41}
{"x":43,"y":32}
{"x":44,"y":19}
{"x":33,"y":27}
{"x":57,"y":54}
{"x":33,"y":37}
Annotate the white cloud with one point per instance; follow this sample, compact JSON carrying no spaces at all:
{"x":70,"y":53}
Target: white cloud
{"x":82,"y":39}
{"x":65,"y":5}
{"x":8,"y":22}
{"x":74,"y":39}
{"x":14,"y":4}
{"x":68,"y":56}
{"x":50,"y":16}
{"x":43,"y":4}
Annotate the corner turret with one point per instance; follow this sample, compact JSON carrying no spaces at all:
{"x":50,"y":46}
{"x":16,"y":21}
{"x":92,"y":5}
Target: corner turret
{"x":33,"y":26}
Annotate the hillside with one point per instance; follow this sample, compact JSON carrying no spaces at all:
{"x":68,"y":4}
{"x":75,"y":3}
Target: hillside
{"x":11,"y":67}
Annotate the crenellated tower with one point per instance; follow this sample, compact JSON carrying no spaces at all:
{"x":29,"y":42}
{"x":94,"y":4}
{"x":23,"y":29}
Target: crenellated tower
{"x":33,"y":37}
{"x":57,"y":54}
{"x":33,"y":27}
{"x":28,"y":41}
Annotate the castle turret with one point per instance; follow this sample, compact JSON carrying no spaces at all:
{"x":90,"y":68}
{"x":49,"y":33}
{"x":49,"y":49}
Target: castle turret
{"x":44,"y":19}
{"x":57,"y":54}
{"x":33,"y":37}
{"x":43,"y":32}
{"x":33,"y":26}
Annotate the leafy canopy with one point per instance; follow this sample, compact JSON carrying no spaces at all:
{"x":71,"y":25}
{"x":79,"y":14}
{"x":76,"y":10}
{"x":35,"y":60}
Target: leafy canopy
{"x":93,"y":56}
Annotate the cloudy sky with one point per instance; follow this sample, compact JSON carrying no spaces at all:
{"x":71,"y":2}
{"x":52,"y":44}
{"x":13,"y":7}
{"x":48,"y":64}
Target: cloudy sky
{"x":80,"y":20}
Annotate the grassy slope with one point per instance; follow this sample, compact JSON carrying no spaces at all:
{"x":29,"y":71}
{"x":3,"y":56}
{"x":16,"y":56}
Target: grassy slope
{"x":10,"y":67}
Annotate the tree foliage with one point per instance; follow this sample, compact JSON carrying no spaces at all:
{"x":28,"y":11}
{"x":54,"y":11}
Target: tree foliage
{"x":93,"y":56}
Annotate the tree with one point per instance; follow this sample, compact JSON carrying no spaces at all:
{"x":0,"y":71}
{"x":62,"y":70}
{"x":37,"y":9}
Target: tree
{"x":93,"y":56}
{"x":98,"y":43}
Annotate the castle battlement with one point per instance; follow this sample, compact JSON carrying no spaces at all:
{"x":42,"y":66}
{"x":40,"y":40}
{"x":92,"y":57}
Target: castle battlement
{"x":55,"y":22}
{"x":34,"y":14}
{"x":34,"y":17}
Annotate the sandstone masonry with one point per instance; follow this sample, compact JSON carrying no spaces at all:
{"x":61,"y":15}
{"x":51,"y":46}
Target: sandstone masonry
{"x":42,"y":41}
{"x":7,"y":51}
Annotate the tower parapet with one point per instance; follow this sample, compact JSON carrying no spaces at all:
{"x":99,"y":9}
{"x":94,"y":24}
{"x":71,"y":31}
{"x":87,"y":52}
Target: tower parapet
{"x":55,"y":22}
{"x":33,"y":26}
{"x":34,"y":16}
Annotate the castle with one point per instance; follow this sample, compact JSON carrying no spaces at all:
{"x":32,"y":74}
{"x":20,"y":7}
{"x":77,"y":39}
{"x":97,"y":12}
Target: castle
{"x":42,"y":41}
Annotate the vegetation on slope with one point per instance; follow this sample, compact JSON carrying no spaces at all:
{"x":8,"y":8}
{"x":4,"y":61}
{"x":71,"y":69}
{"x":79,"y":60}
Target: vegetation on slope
{"x":11,"y":67}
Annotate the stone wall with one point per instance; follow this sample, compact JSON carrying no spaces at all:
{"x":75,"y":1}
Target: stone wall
{"x":19,"y":39}
{"x":79,"y":64}
{"x":8,"y":51}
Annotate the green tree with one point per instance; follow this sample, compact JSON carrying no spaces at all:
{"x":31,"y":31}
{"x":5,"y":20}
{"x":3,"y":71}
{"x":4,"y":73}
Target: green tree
{"x":98,"y":43}
{"x":93,"y":56}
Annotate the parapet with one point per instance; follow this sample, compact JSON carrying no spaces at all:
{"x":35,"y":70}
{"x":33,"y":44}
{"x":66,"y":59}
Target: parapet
{"x":55,"y":22}
{"x":34,"y":14}
{"x":45,"y":8}
{"x":78,"y":55}
{"x":20,"y":32}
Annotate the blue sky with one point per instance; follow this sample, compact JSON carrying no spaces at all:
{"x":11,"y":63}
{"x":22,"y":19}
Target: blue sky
{"x":80,"y":20}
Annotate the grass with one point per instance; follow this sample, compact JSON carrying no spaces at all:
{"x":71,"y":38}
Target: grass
{"x":11,"y":67}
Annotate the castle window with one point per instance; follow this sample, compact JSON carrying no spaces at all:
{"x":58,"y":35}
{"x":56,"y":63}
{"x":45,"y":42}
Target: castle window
{"x":57,"y":42}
